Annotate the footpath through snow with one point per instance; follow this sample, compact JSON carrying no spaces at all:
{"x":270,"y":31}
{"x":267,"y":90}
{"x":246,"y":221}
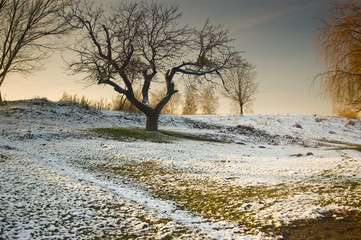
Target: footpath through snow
{"x":61,"y":181}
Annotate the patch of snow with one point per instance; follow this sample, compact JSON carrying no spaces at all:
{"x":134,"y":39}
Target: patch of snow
{"x":43,"y":195}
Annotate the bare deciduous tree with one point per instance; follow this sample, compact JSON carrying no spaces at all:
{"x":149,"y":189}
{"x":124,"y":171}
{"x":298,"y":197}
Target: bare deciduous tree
{"x":24,"y":26}
{"x":190,"y":105}
{"x":137,"y":43}
{"x":210,"y":102}
{"x":339,"y":42}
{"x":239,"y":84}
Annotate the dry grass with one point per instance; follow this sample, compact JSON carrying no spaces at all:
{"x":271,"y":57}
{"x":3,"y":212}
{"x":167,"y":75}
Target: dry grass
{"x":85,"y":102}
{"x":347,"y":112}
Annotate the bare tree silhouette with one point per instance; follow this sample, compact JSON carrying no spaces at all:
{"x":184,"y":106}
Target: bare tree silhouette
{"x":239,"y":84}
{"x":209,"y":102}
{"x":191,"y":101}
{"x":137,"y":43}
{"x":25,"y":27}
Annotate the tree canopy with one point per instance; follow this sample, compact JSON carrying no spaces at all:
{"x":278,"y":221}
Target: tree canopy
{"x":140,"y":42}
{"x":239,"y":83}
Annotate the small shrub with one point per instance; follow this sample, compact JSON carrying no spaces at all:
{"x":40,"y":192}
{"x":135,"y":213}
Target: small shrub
{"x":318,"y":120}
{"x":297,"y":125}
{"x":350,"y":123}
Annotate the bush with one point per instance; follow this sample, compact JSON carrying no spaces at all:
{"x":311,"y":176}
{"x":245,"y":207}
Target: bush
{"x":318,"y":120}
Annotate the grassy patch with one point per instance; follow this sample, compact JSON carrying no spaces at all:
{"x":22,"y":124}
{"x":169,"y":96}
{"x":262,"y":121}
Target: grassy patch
{"x":220,"y":200}
{"x":162,"y":136}
{"x":205,"y":196}
{"x":345,"y":145}
{"x":133,"y":133}
{"x":181,"y":135}
{"x":352,"y":147}
{"x":345,"y":191}
{"x":349,"y":146}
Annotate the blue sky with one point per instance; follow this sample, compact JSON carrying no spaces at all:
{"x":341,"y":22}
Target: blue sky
{"x":276,"y":35}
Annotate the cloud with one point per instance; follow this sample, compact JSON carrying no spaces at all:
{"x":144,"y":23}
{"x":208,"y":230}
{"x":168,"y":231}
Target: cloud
{"x":263,"y":13}
{"x":244,"y":24}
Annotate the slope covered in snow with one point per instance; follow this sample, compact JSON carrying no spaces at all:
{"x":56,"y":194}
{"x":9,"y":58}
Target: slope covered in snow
{"x":61,"y":180}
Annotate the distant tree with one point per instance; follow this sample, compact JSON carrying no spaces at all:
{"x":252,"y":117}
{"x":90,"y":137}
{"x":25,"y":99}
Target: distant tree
{"x":239,"y":83}
{"x":26,"y":26}
{"x":190,"y":105}
{"x":209,"y":103}
{"x":130,"y":44}
{"x":338,"y":40}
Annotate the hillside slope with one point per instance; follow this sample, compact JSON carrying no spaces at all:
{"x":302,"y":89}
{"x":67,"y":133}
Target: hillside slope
{"x":259,"y":174}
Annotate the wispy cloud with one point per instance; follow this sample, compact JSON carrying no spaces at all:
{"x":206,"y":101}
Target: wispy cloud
{"x":266,"y":13}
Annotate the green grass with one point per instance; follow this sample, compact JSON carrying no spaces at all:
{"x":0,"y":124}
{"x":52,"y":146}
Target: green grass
{"x":133,"y":133}
{"x":188,"y":136}
{"x":205,"y":196}
{"x":162,"y":136}
{"x":219,"y":200}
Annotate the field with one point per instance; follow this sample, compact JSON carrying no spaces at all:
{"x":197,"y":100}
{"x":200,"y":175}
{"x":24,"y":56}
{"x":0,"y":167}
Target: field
{"x":69,"y":172}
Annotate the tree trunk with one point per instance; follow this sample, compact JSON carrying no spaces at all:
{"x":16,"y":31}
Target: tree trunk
{"x":1,"y":100}
{"x":152,"y":122}
{"x":241,"y":108}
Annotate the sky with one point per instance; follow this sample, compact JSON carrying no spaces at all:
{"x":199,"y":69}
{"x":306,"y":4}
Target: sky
{"x":277,"y":36}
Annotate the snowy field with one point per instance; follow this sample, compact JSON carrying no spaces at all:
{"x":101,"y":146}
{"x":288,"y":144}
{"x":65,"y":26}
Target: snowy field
{"x":231,"y":177}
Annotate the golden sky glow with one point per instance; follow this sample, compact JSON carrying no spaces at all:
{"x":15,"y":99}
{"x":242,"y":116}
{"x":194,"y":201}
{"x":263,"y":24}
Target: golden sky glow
{"x":277,"y":36}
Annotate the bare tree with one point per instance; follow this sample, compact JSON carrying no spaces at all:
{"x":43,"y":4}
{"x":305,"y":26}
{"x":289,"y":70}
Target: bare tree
{"x":339,"y":42}
{"x":239,"y":83}
{"x":209,"y":102}
{"x":24,"y":31}
{"x":137,"y":43}
{"x":190,"y":105}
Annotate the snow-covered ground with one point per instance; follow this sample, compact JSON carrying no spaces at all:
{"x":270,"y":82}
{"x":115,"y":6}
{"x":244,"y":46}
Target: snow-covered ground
{"x":59,"y":180}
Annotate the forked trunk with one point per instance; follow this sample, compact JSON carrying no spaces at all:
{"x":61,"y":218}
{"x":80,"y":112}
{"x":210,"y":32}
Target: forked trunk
{"x":153,"y":115}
